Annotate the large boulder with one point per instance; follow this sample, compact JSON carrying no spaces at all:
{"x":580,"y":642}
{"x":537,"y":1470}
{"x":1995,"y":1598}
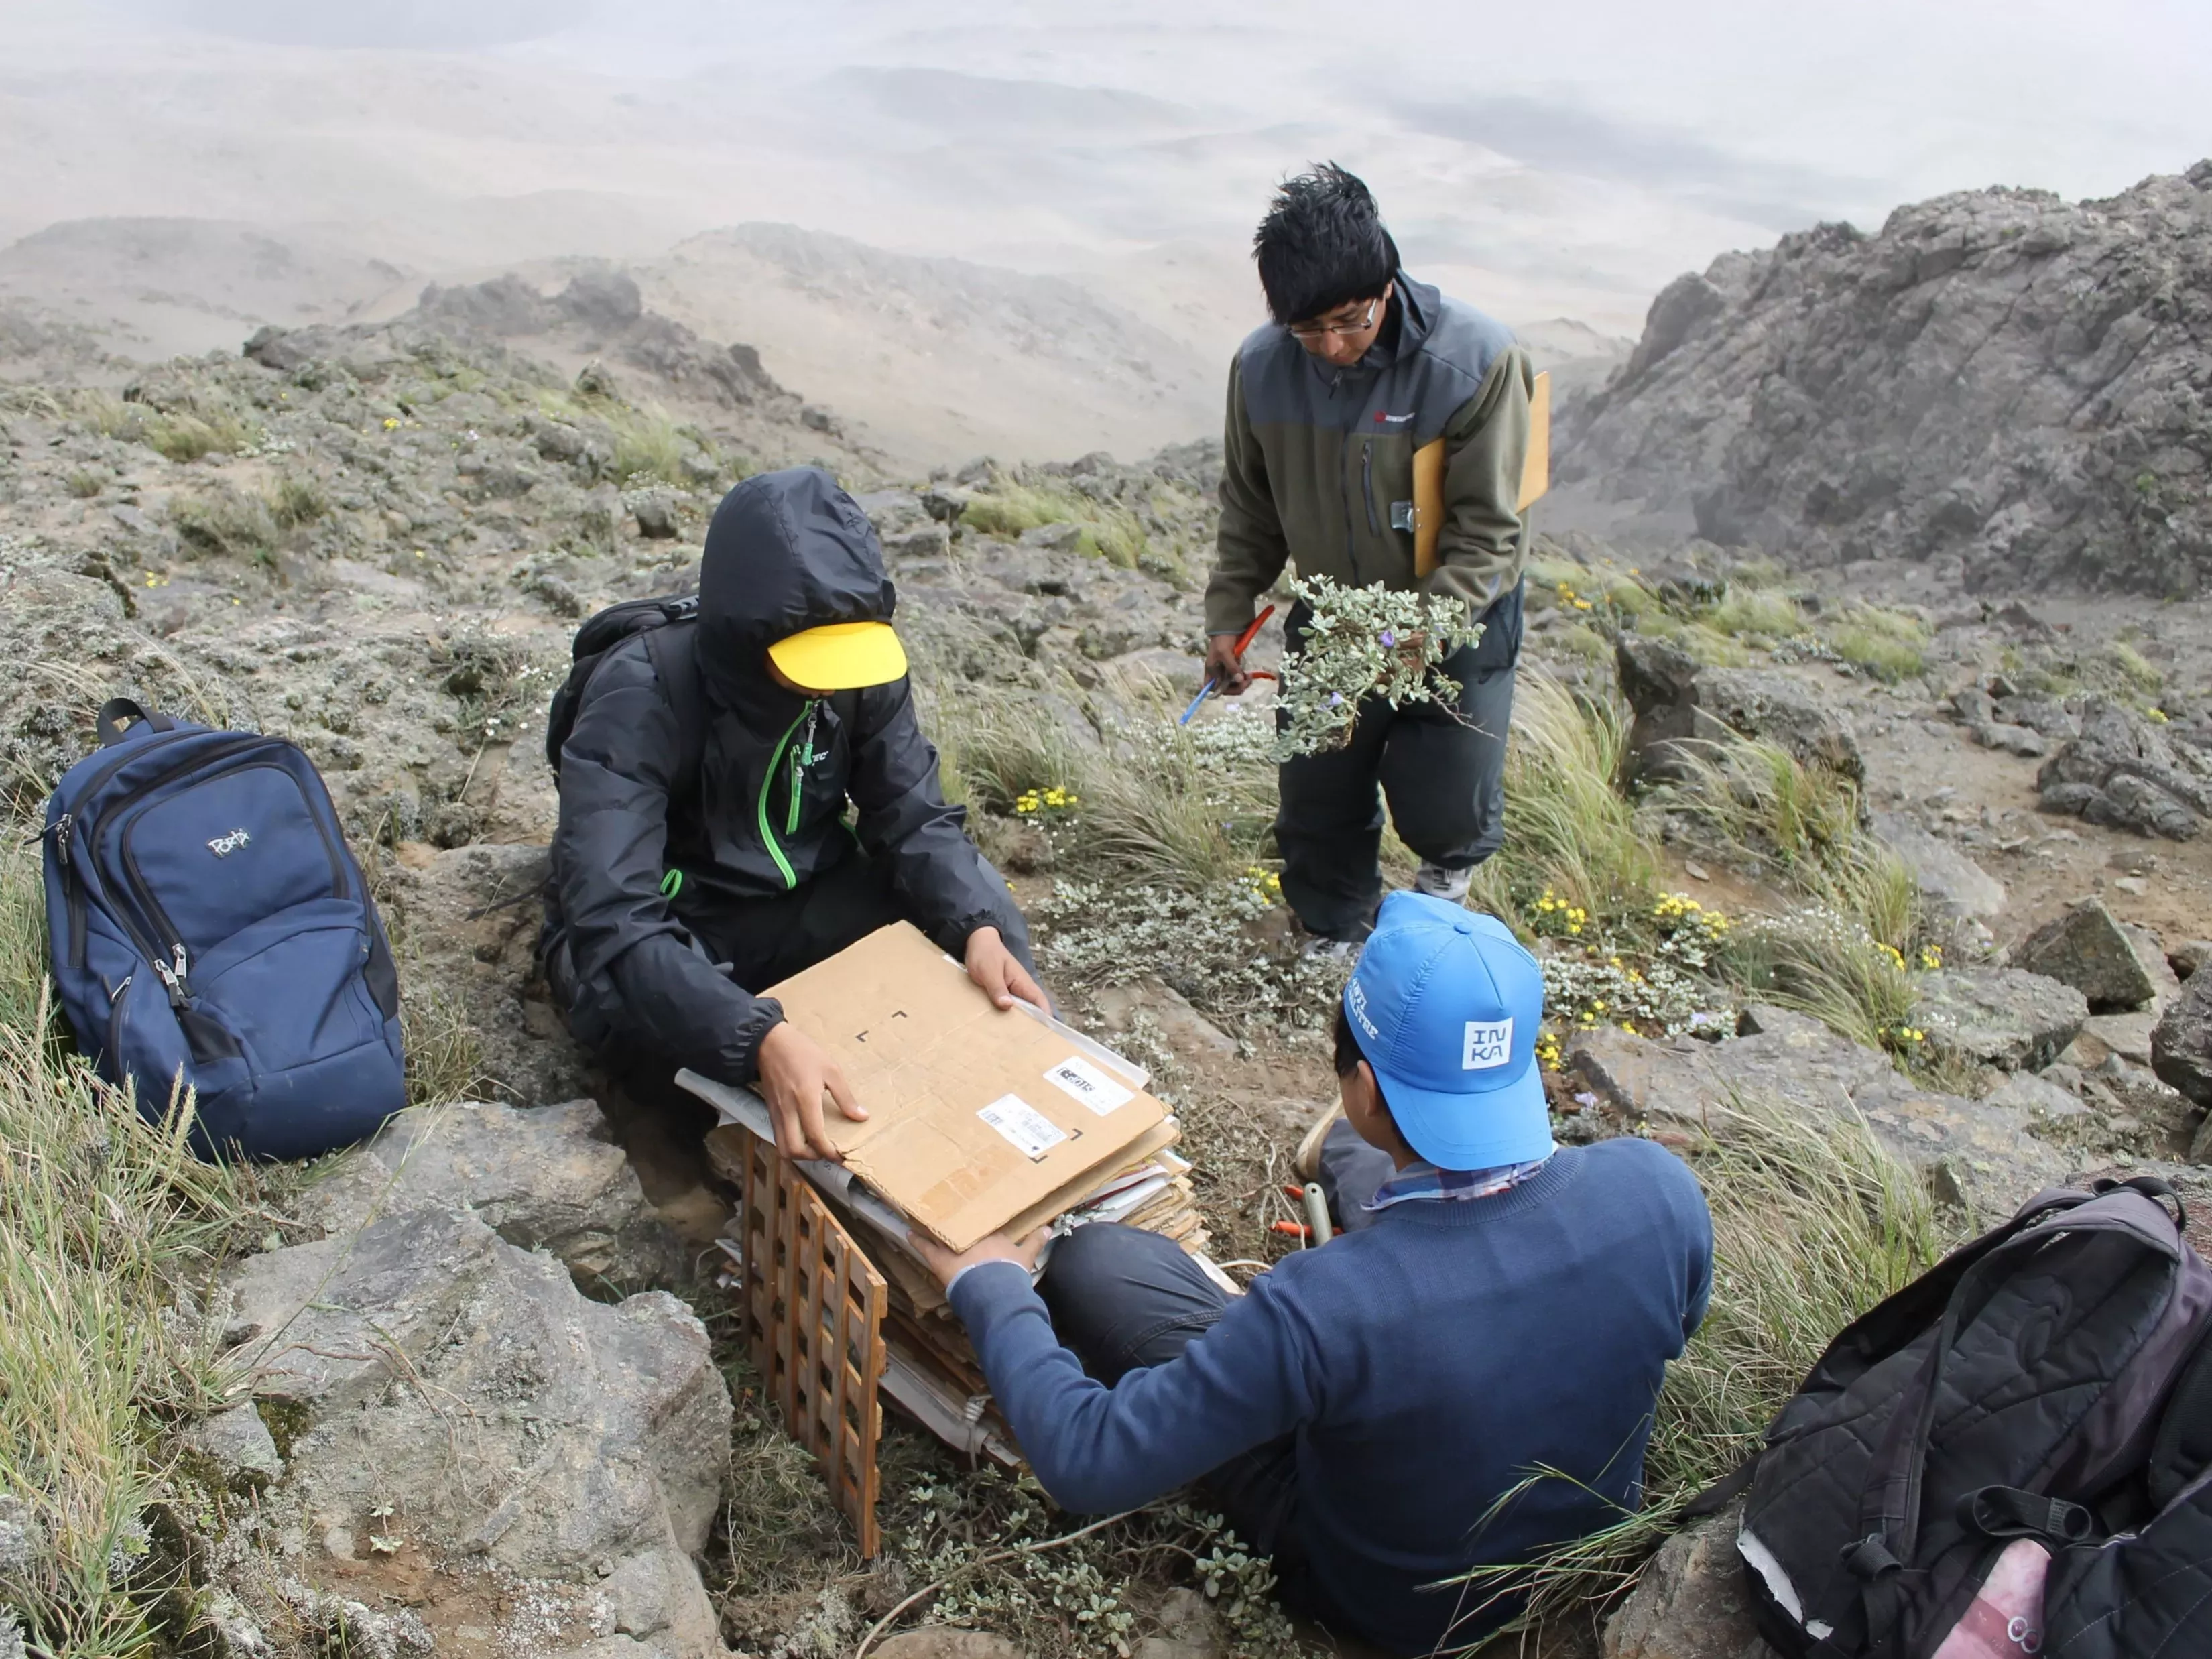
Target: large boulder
{"x":2005,"y":1017}
{"x":2120,"y":772}
{"x":440,"y":1387}
{"x":1679,"y":702}
{"x":2088,"y":948}
{"x":1976,"y":1153}
{"x":1691,"y":1602}
{"x":545,"y":1177}
{"x":2181,"y":1042}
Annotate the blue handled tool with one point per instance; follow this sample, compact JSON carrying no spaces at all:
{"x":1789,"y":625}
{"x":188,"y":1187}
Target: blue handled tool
{"x":1243,"y":641}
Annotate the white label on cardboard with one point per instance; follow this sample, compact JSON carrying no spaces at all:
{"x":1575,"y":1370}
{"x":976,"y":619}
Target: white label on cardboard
{"x":1078,"y":1077}
{"x":1029,"y":1131}
{"x":1488,"y":1045}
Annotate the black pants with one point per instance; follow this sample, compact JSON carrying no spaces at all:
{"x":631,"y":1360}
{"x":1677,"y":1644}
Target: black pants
{"x":1443,"y":772}
{"x":1121,"y":1299}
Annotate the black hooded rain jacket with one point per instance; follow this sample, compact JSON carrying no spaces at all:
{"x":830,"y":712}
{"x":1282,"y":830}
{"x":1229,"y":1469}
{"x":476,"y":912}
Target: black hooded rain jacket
{"x":781,"y":789}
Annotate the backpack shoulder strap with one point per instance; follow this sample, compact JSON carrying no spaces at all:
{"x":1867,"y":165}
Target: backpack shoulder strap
{"x":673,"y":652}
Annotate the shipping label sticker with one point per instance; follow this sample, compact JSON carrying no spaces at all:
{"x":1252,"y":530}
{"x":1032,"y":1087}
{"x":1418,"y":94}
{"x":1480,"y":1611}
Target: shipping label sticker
{"x":1078,"y":1077}
{"x":1029,"y":1131}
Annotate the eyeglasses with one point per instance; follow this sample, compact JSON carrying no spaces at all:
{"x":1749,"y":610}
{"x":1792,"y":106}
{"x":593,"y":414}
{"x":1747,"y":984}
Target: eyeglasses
{"x":1322,"y":330}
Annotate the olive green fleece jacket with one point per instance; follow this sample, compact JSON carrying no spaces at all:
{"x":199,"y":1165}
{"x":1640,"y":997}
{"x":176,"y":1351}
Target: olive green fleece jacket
{"x":1318,"y":461}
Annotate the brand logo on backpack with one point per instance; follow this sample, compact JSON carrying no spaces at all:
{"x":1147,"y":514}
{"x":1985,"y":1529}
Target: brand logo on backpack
{"x":223,"y":846}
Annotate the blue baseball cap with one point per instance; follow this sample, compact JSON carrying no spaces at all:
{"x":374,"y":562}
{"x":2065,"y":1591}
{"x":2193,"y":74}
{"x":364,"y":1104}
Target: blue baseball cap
{"x":1446,"y":1006}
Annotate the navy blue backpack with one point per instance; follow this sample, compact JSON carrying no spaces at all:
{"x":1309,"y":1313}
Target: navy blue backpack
{"x":211,"y":928}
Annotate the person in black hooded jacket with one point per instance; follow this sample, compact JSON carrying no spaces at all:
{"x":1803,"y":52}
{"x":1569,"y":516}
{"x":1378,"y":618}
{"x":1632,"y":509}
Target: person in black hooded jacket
{"x":704,"y":852}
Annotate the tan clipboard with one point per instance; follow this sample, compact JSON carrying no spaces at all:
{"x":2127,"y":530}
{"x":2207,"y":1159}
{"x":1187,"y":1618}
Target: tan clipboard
{"x":1429,"y":477}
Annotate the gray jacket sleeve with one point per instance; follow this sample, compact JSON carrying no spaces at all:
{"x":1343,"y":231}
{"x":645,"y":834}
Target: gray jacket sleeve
{"x":948,"y":886}
{"x":656,"y":988}
{"x":1484,"y":542}
{"x":1249,"y":547}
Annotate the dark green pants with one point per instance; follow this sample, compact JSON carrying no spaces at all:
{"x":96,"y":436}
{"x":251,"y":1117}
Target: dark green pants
{"x":1444,"y":778}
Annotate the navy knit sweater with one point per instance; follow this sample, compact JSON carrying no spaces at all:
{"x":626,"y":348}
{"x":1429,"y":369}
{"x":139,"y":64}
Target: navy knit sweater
{"x":1425,"y":1365}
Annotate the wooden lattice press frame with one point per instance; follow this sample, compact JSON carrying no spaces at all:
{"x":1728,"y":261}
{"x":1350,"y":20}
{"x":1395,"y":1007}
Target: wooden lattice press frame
{"x":813,"y":1307}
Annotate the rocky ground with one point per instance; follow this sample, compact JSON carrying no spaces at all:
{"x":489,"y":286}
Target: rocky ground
{"x":482,"y":1406}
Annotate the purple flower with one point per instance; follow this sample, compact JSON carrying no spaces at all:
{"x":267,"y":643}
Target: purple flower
{"x":1335,"y":698}
{"x":1389,"y":638}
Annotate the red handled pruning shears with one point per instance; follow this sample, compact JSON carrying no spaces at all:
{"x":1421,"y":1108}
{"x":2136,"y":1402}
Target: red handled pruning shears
{"x":1243,"y":641}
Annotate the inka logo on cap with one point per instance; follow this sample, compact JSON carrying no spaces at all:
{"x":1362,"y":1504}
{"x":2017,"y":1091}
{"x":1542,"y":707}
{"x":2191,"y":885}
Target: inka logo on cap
{"x":1355,"y":999}
{"x":1488,"y":1045}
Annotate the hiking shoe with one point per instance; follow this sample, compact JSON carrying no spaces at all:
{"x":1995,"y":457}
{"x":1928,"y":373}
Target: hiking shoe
{"x":1437,"y":882}
{"x":1307,"y":1159}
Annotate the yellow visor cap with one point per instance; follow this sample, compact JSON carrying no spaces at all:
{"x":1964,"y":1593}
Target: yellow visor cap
{"x":841,"y":657}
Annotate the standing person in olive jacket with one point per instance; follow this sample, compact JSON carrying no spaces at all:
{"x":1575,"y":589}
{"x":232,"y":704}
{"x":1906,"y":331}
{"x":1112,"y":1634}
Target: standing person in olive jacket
{"x":1328,"y":405}
{"x":704,"y":852}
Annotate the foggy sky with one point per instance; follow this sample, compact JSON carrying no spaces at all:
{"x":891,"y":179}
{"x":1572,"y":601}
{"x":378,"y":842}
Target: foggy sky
{"x":1585,"y":149}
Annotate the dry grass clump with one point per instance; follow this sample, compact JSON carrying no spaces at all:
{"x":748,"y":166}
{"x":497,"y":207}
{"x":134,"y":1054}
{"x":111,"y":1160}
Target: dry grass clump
{"x":1813,"y":1222}
{"x":1569,"y":829}
{"x":1842,"y":957}
{"x":647,"y":445}
{"x":1105,"y":531}
{"x":108,"y":1227}
{"x":1890,"y":645}
{"x":202,"y":424}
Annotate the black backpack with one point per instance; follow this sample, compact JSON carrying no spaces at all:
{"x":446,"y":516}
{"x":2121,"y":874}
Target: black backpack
{"x":2018,"y":1391}
{"x":601,"y":634}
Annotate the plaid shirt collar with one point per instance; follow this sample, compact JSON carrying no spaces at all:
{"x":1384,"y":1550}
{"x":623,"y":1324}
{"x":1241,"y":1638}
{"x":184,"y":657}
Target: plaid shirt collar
{"x":1421,"y":1179}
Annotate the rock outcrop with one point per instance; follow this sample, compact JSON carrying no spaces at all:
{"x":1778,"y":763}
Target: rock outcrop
{"x":2119,"y":771}
{"x":1680,"y":702}
{"x":2181,"y":1044}
{"x":1997,"y":376}
{"x":1981,"y":1154}
{"x":445,"y":1391}
{"x":2005,"y":1017}
{"x":543,"y":1178}
{"x":1691,"y":1602}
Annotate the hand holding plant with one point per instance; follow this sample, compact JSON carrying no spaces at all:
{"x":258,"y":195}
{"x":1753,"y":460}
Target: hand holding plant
{"x":1362,"y":643}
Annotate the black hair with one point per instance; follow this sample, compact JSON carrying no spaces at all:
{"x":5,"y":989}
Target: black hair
{"x":1348,"y":1054}
{"x":1321,"y":244}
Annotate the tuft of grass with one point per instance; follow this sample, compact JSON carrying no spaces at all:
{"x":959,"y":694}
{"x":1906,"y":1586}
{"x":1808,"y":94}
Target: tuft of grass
{"x":1760,"y":611}
{"x":647,"y":445}
{"x":2141,"y":674}
{"x":1843,"y":959}
{"x":84,"y":483}
{"x":226,"y":522}
{"x":1888,"y":644}
{"x":108,"y":1226}
{"x":1568,"y":827}
{"x":202,"y":426}
{"x":297,"y":499}
{"x":1813,"y":1222}
{"x":1106,"y":530}
{"x":445,"y":1061}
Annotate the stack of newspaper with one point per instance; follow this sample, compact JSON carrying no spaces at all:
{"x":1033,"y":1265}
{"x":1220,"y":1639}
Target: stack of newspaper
{"x":979,"y":1122}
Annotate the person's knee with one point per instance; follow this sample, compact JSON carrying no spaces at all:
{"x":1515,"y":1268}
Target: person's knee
{"x":1092,"y":1262}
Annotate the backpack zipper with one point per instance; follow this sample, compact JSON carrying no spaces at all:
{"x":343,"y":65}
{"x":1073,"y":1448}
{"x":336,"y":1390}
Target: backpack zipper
{"x":1367,"y":482}
{"x":767,"y":788}
{"x":72,"y":888}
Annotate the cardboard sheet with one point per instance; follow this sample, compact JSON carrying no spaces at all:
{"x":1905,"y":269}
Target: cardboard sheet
{"x":975,"y":1115}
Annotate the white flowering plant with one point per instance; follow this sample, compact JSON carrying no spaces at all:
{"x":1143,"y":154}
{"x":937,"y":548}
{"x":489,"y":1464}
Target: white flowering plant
{"x":1362,"y":645}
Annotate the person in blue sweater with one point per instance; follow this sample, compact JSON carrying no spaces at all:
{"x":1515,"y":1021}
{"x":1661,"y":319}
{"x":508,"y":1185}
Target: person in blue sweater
{"x":1370,"y":1414}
